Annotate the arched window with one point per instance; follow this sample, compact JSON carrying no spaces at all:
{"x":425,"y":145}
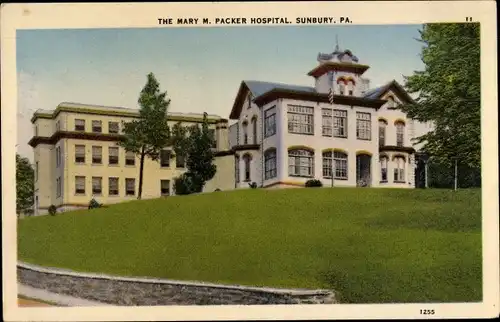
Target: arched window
{"x":342,"y":88}
{"x":383,"y":168}
{"x":254,"y":130}
{"x":270,"y":164}
{"x":237,"y":168}
{"x":245,"y":132}
{"x":350,"y":87}
{"x":382,"y":124}
{"x":340,"y":159}
{"x":247,"y":159}
{"x":399,"y":169}
{"x":301,"y":163}
{"x":400,"y":133}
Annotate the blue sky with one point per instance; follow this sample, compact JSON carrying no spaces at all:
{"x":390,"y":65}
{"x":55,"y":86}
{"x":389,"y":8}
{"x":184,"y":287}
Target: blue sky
{"x":201,"y":68}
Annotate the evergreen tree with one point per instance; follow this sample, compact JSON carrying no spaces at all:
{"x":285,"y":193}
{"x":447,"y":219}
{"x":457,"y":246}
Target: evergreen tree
{"x":197,"y":143}
{"x":149,"y":134}
{"x":25,"y":183}
{"x":448,"y":91}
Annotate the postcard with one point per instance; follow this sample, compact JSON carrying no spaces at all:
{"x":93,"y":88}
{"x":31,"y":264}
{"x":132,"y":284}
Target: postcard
{"x":249,"y":161}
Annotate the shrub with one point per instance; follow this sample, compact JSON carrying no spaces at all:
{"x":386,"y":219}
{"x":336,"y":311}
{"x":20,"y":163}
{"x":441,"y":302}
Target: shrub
{"x":313,"y":183}
{"x":217,"y":189}
{"x":52,"y":210}
{"x":187,"y":183}
{"x":94,"y":204}
{"x":253,"y":185}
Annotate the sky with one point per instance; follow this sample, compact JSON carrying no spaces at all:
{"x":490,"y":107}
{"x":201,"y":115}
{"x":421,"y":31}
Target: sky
{"x":200,"y":68}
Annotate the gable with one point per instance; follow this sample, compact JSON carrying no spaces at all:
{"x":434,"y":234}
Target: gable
{"x":393,"y":88}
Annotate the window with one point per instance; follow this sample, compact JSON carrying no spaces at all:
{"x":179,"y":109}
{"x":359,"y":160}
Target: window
{"x":96,"y":126}
{"x":96,"y":185}
{"x":58,"y":126}
{"x":80,"y":125}
{"x":180,"y":161}
{"x":351,"y":92}
{"x":113,"y":127}
{"x":270,"y":122}
{"x":36,"y":171}
{"x":58,"y":156}
{"x":363,"y":126}
{"x":301,"y":163}
{"x":80,"y":185}
{"x":97,"y":155}
{"x":270,"y":164}
{"x":58,"y":187}
{"x":80,"y":153}
{"x":130,"y":186}
{"x":254,"y":130}
{"x":165,"y":187}
{"x":381,"y":132}
{"x":237,"y":168}
{"x":340,"y":160}
{"x":129,"y":158}
{"x":327,"y":122}
{"x":247,"y":159}
{"x":113,"y":155}
{"x":383,"y":169}
{"x":300,"y":119}
{"x":399,"y":169}
{"x":340,"y":123}
{"x":36,"y":130}
{"x":245,"y":132}
{"x":400,"y":129}
{"x":113,"y":186}
{"x":165,"y":158}
{"x":211,"y":132}
{"x":341,"y":88}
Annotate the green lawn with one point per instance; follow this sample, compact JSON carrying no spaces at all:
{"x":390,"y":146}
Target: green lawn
{"x":371,"y":245}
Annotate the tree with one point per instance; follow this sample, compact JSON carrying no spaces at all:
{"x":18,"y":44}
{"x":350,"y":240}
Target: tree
{"x":25,"y":183}
{"x":195,"y":144}
{"x":149,"y":134}
{"x":448,"y":91}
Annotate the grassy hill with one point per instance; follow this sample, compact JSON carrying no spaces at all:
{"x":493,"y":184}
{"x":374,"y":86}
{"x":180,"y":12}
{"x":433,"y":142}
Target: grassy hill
{"x":371,"y":245}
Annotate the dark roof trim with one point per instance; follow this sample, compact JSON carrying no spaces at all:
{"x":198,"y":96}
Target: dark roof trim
{"x":121,"y":113}
{"x":246,"y":147}
{"x":317,"y":97}
{"x":36,"y":140}
{"x":399,"y":91}
{"x":347,"y":67}
{"x":238,"y":102}
{"x":393,"y":148}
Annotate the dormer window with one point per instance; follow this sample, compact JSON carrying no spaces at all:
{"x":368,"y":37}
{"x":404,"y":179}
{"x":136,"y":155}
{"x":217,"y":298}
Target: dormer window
{"x":391,"y":103}
{"x":341,"y":88}
{"x":249,"y":99}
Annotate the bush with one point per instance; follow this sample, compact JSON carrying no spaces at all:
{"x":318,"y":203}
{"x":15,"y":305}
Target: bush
{"x":187,"y":183}
{"x":94,"y":204}
{"x":217,"y":189}
{"x":313,"y":183}
{"x":253,"y":185}
{"x":52,"y":210}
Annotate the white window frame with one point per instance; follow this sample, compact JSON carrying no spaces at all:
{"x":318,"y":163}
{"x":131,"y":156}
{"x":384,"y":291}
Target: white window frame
{"x":400,"y":134}
{"x":270,"y":122}
{"x":80,"y":184}
{"x":363,"y":126}
{"x":270,"y":164}
{"x":384,"y":162}
{"x":399,"y":169}
{"x":298,"y":160}
{"x":129,"y":182}
{"x":300,"y":119}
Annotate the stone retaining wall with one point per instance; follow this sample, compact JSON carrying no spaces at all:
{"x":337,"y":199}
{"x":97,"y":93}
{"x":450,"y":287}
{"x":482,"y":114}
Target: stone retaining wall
{"x":146,"y":291}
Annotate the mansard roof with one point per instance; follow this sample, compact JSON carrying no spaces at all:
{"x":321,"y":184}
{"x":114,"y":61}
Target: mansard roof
{"x":264,"y":92}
